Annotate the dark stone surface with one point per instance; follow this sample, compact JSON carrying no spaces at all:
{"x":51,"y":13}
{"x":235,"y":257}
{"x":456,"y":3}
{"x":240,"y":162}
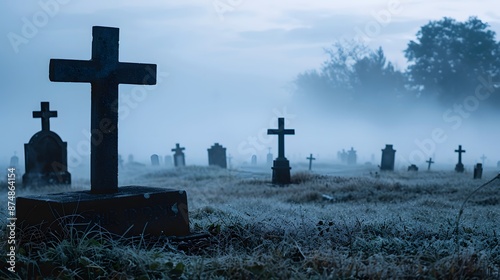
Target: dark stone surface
{"x":281,"y":171}
{"x":310,"y":158}
{"x":281,"y":166}
{"x":388,"y":158}
{"x":104,"y":72}
{"x":429,"y":162}
{"x":478,"y":171}
{"x":413,"y":168}
{"x":132,"y":211}
{"x":179,"y":157}
{"x":45,"y":155}
{"x":459,"y":167}
{"x":217,"y":156}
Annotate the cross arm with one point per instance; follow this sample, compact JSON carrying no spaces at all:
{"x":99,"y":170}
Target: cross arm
{"x":136,"y":73}
{"x":67,"y":70}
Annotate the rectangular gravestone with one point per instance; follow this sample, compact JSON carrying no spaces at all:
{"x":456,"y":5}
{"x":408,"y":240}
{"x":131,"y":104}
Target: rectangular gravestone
{"x":127,"y":211}
{"x":352,"y":157}
{"x":155,"y":160}
{"x":478,"y":171}
{"x":388,"y":158}
{"x":217,"y":156}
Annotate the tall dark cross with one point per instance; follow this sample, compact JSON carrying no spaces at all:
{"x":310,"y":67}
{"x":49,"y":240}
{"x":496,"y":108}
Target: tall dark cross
{"x":459,"y":167}
{"x":45,"y":114}
{"x":310,"y":158}
{"x":429,"y":164}
{"x":483,"y":158}
{"x":281,"y":132}
{"x":178,"y":149}
{"x":104,"y":72}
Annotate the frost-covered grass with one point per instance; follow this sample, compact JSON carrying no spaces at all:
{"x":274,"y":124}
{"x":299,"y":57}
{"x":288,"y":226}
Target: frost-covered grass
{"x":395,"y":225}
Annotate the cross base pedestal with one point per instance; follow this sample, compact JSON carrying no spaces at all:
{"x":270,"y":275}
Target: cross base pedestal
{"x":459,"y":167}
{"x":281,"y":171}
{"x":132,"y":211}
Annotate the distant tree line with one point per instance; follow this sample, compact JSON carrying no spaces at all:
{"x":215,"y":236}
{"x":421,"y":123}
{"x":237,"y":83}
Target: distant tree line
{"x":447,"y":62}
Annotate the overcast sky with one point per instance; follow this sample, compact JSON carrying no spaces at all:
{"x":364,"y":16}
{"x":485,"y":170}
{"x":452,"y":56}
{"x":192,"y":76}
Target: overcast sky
{"x":224,"y":72}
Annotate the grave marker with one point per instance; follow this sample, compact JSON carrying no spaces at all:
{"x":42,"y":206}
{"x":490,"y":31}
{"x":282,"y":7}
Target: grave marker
{"x":429,"y":164}
{"x":478,"y":171}
{"x":179,"y":158}
{"x":229,"y":158}
{"x":388,"y":158}
{"x":281,"y":166}
{"x":14,"y":161}
{"x":253,"y":160}
{"x":168,"y":161}
{"x":217,"y":156}
{"x":127,"y":211}
{"x":269,"y":157}
{"x":483,"y":158}
{"x":459,"y":167}
{"x":413,"y":168}
{"x":310,"y":158}
{"x":155,"y":160}
{"x":46,"y":155}
{"x":351,"y":157}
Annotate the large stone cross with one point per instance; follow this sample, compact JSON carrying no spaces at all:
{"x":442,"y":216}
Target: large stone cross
{"x":178,"y":149}
{"x":104,"y":72}
{"x":429,"y":163}
{"x":310,"y":158}
{"x":459,"y":167}
{"x":281,"y":132}
{"x":45,"y":114}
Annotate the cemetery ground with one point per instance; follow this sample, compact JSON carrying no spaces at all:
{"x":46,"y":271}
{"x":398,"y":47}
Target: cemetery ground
{"x":351,"y":223}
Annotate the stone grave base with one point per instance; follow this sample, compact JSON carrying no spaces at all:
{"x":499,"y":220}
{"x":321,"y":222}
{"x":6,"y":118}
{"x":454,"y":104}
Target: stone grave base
{"x":459,"y":168}
{"x":52,"y":178}
{"x":281,"y":171}
{"x":132,"y":211}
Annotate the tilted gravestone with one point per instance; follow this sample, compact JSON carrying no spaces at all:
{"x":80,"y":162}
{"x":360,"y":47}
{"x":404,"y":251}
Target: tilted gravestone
{"x":310,"y":158}
{"x":46,"y":155}
{"x":352,"y":158}
{"x":429,"y":162}
{"x":388,"y":158}
{"x":217,"y":156}
{"x":281,"y":165}
{"x":155,"y":160}
{"x":127,"y":211}
{"x":179,"y":158}
{"x":460,"y":166}
{"x":478,"y":171}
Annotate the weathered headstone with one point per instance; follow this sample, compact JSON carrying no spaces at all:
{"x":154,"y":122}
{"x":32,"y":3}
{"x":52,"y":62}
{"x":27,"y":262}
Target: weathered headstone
{"x":388,"y":158}
{"x":351,"y":157}
{"x":460,"y":166}
{"x":45,"y":155}
{"x":169,"y":161}
{"x":281,"y":166}
{"x":413,"y":168}
{"x":130,"y":159}
{"x":342,"y":156}
{"x":310,"y":158}
{"x":429,"y":162}
{"x":269,"y":157}
{"x":179,"y":158}
{"x":478,"y":171}
{"x":120,"y":161}
{"x":253,"y":160}
{"x":217,"y":156}
{"x":155,"y":160}
{"x":127,"y":211}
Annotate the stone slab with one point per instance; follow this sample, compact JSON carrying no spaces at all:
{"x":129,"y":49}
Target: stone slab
{"x":132,"y":211}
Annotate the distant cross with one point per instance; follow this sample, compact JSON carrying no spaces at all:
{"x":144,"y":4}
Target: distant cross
{"x":104,"y":72}
{"x":310,"y":158}
{"x":45,"y":114}
{"x":178,"y":149}
{"x":483,"y":158}
{"x":459,"y":151}
{"x":429,"y":164}
{"x":281,"y":132}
